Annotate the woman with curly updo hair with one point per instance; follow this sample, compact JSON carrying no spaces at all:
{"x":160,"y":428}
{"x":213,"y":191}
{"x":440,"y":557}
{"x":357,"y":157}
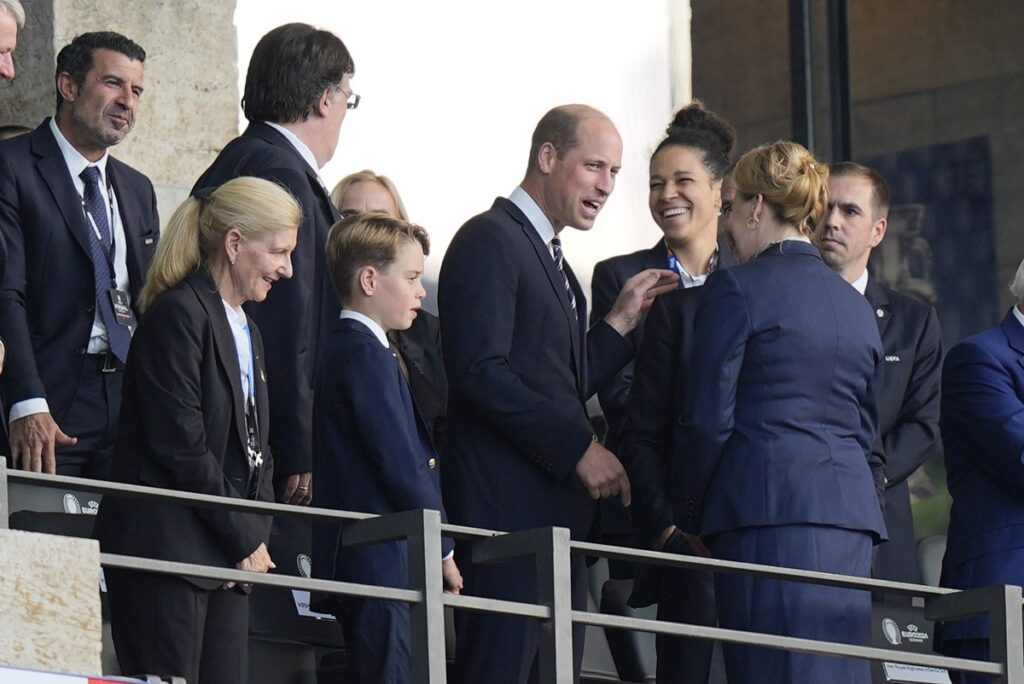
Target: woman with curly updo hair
{"x":773,"y":461}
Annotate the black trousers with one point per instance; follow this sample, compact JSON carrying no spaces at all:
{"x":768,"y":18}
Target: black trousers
{"x":92,"y":418}
{"x":165,"y":625}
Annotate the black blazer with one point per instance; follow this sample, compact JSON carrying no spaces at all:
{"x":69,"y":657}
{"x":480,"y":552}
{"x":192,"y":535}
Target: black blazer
{"x":908,"y":416}
{"x":521,"y":365}
{"x":420,"y":347}
{"x":298,"y":309}
{"x":183,"y":427}
{"x":48,"y":300}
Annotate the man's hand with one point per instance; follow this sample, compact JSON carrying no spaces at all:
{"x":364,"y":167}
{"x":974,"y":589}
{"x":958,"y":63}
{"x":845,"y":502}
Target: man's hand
{"x":257,"y":561}
{"x":602,"y":474}
{"x":298,"y":489}
{"x":637,"y":296}
{"x":34,"y":440}
{"x":451,"y":576}
{"x":3,"y":354}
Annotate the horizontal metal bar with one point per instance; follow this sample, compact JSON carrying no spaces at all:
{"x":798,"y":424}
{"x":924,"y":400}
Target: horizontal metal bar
{"x":190,"y":498}
{"x":114,"y":560}
{"x":783,"y":642}
{"x":809,"y":576}
{"x":490,"y":605}
{"x":466,"y":532}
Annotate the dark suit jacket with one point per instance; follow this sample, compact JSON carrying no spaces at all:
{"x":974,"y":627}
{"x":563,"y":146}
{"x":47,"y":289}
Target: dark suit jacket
{"x":780,"y":415}
{"x":609,"y":278}
{"x":372,"y":454}
{"x":298,"y":309}
{"x":908,"y":416}
{"x":520,"y":367}
{"x":183,"y":427}
{"x":420,"y":347}
{"x":983,"y":434}
{"x":48,"y":301}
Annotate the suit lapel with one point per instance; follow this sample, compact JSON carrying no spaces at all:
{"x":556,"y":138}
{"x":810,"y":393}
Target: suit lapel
{"x":224,"y":341}
{"x":130,"y":212}
{"x":54,"y":171}
{"x":879,"y":300}
{"x":1014,"y":332}
{"x":547,"y":262}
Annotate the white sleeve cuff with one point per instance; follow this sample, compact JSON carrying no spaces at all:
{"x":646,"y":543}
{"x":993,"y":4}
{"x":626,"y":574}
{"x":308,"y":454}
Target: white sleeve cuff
{"x":450,"y":555}
{"x":28,"y":407}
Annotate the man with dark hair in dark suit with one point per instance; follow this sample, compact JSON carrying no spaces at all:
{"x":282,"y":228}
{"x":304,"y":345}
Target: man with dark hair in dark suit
{"x":519,"y":449}
{"x":296,"y":95}
{"x":908,"y":398}
{"x":81,"y":229}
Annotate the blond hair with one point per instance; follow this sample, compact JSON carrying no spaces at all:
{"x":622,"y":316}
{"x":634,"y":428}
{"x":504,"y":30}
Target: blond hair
{"x":368,"y":176}
{"x":793,"y":183}
{"x":367,"y":240}
{"x":195,"y":234}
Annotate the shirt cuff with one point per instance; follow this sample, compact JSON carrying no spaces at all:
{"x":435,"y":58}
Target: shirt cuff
{"x":28,"y":407}
{"x":449,"y":555}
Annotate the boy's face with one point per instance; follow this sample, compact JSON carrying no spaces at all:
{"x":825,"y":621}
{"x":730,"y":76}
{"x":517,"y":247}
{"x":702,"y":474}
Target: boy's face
{"x":399,"y":289}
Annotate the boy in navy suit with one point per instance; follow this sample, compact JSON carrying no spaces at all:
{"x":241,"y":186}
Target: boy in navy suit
{"x":372,"y":452}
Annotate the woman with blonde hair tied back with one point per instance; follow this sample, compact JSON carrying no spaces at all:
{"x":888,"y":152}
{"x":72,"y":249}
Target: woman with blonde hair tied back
{"x":773,"y":461}
{"x":195,"y":419}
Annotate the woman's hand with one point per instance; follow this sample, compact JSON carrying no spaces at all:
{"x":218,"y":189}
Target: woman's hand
{"x":451,"y":576}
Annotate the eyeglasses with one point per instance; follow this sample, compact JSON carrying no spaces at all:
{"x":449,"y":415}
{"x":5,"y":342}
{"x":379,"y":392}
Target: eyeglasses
{"x":351,"y":100}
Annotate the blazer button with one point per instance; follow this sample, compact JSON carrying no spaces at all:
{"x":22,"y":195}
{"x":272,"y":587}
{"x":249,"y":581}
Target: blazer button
{"x":432,"y":463}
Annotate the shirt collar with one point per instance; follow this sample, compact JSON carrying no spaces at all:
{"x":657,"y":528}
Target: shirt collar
{"x":373,"y":325}
{"x":1018,"y":314}
{"x":300,"y":147}
{"x":235,"y":318}
{"x":73,"y":159}
{"x":861,"y":284}
{"x":529,"y":206}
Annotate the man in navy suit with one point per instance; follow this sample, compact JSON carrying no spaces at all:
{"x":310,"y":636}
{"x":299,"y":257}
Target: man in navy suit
{"x":296,"y":95}
{"x":81,"y":228}
{"x":983,"y":434}
{"x":519,"y":449}
{"x":908,"y":398}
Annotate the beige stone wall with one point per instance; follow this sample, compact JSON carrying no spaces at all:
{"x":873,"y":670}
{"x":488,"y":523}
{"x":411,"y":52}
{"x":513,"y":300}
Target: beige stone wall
{"x":190,"y":106}
{"x":50,"y":600}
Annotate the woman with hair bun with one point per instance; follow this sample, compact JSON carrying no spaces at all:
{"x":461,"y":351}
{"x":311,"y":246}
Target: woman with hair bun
{"x":772,"y":459}
{"x":195,"y":419}
{"x":642,"y":406}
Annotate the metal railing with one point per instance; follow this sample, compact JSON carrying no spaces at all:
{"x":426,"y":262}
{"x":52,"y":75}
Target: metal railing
{"x":551,"y":549}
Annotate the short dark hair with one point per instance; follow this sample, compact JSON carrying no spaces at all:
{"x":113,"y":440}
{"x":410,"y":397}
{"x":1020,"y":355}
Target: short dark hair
{"x":76,"y":58}
{"x":290,"y":69}
{"x":367,"y":240}
{"x":699,"y":128}
{"x":883,"y":195}
{"x":558,"y":127}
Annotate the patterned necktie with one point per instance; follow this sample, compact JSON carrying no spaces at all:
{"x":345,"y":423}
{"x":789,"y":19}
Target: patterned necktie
{"x":556,"y":245}
{"x":100,"y":246}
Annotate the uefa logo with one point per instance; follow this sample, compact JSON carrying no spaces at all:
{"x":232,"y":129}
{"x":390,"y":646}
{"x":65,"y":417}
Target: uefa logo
{"x":891,"y":631}
{"x":305,"y":564}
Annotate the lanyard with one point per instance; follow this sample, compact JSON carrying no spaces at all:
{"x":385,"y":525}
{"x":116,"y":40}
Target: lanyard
{"x":677,"y":268}
{"x":252,"y":425}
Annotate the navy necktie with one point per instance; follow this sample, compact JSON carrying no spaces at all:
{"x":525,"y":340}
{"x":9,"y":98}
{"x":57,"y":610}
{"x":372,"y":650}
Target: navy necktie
{"x":556,"y":247}
{"x":101,"y":251}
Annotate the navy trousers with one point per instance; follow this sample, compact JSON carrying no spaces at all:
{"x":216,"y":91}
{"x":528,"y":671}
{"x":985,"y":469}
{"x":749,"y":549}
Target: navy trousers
{"x":798,"y":609}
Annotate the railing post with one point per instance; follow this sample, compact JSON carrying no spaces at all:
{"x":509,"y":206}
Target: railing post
{"x":549,"y":547}
{"x":1006,"y":642}
{"x":4,"y":496}
{"x":422,"y":532}
{"x":1002,"y":605}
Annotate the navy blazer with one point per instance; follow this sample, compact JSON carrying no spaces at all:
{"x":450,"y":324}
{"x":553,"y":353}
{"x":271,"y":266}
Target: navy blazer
{"x":420,"y":347}
{"x":780,"y":415}
{"x":298,"y":309}
{"x":521,"y":365}
{"x":982,"y":427}
{"x":908,"y":416}
{"x":372,"y":454}
{"x":48,"y":300}
{"x":609,"y":278}
{"x":183,"y":427}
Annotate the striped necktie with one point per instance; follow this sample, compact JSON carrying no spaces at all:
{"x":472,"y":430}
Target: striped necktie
{"x":556,"y":247}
